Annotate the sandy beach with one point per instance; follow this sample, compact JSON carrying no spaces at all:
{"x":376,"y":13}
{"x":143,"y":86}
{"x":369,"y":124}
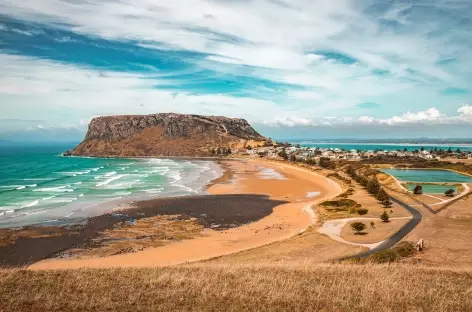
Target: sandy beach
{"x":296,"y":188}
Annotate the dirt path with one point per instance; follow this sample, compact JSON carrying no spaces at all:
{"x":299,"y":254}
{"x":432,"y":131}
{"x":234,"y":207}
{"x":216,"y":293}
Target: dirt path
{"x":333,"y":229}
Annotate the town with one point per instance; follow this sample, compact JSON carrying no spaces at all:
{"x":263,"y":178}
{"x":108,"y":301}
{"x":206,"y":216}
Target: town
{"x":313,"y":155}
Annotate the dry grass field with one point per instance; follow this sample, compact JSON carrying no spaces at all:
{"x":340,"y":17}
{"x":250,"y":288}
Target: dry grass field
{"x":447,"y":235}
{"x":322,"y":287}
{"x":310,"y":246}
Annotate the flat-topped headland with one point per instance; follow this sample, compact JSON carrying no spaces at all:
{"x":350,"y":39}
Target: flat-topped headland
{"x":165,"y":134}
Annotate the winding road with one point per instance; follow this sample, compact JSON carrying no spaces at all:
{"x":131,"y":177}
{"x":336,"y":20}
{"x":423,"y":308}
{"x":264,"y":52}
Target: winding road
{"x":395,"y":238}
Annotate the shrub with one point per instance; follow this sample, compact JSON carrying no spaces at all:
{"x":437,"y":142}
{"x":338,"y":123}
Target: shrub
{"x":385,"y":217}
{"x":418,"y":190}
{"x":344,"y":202}
{"x":358,"y":227}
{"x":384,"y":256}
{"x":352,"y":210}
{"x":404,"y":249}
{"x":362,"y":211}
{"x":449,"y":192}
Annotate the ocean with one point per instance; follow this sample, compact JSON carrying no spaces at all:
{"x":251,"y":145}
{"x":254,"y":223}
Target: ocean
{"x":385,"y":146}
{"x":39,"y":186}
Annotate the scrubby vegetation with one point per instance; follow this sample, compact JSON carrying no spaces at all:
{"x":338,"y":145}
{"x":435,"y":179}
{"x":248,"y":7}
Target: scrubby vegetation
{"x":402,"y":250}
{"x":362,"y":211}
{"x":342,"y":204}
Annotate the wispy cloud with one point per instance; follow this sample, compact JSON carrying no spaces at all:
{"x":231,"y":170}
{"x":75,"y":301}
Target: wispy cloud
{"x":281,"y":62}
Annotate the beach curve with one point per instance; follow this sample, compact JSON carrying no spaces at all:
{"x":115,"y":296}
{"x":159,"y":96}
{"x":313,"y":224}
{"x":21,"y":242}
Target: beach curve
{"x":286,"y":220}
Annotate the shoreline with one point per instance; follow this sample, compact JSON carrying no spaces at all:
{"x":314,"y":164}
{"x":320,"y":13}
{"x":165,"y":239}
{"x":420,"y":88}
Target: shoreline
{"x":286,"y":220}
{"x":88,"y":208}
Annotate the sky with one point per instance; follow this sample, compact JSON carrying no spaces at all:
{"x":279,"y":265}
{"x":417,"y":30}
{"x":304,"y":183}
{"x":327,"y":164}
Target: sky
{"x":295,"y":69}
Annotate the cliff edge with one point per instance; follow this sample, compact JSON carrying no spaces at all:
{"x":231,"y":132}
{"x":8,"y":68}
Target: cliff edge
{"x":165,"y":135}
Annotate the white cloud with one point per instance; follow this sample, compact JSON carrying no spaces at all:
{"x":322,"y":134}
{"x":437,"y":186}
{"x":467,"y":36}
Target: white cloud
{"x":64,"y":94}
{"x":432,"y":114}
{"x":280,"y":41}
{"x":295,"y":122}
{"x":465,"y":112}
{"x":366,"y":119}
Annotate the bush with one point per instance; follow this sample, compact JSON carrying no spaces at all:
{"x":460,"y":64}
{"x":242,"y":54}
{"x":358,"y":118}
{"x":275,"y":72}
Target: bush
{"x":404,"y":249}
{"x":385,"y":217}
{"x":362,"y":211}
{"x":344,"y":202}
{"x":385,"y":256}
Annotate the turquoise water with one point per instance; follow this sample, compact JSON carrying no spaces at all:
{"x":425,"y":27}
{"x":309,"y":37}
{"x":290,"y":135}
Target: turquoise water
{"x":38,"y":185}
{"x":428,"y":175}
{"x":432,"y":188}
{"x":386,"y":147}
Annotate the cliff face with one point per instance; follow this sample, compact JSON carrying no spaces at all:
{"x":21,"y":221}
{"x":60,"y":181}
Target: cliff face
{"x":164,"y":135}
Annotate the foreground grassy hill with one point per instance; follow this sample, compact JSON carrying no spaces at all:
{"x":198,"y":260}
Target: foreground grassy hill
{"x":320,"y":287}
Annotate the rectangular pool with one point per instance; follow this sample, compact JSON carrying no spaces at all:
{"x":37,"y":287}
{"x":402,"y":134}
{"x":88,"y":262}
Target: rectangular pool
{"x":418,"y":175}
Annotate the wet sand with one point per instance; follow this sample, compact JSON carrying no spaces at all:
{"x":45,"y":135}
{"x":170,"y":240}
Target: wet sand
{"x":32,"y":244}
{"x":291,"y":190}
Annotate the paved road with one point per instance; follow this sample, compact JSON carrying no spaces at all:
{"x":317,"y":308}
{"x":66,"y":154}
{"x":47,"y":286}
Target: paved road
{"x":395,"y":238}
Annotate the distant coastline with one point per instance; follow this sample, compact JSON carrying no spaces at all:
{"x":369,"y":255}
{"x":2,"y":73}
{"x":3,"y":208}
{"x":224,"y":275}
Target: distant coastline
{"x":384,"y":145}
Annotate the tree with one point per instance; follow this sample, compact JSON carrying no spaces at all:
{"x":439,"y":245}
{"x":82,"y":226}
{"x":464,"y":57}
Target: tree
{"x":418,"y":190}
{"x":382,"y":195}
{"x":387,"y":203}
{"x":449,"y":192}
{"x":358,"y":227}
{"x":373,"y":186}
{"x":384,"y":217}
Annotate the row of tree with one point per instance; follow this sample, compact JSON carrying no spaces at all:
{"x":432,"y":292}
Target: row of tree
{"x":372,"y":186}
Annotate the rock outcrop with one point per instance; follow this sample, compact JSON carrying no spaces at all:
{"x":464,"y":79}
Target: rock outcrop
{"x":164,"y":135}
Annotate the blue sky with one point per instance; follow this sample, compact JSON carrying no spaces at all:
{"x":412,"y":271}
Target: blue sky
{"x":294,"y":69}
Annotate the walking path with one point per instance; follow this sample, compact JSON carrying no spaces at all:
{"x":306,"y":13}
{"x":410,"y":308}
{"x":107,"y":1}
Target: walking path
{"x":333,"y":229}
{"x":398,"y":236}
{"x":445,"y":201}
